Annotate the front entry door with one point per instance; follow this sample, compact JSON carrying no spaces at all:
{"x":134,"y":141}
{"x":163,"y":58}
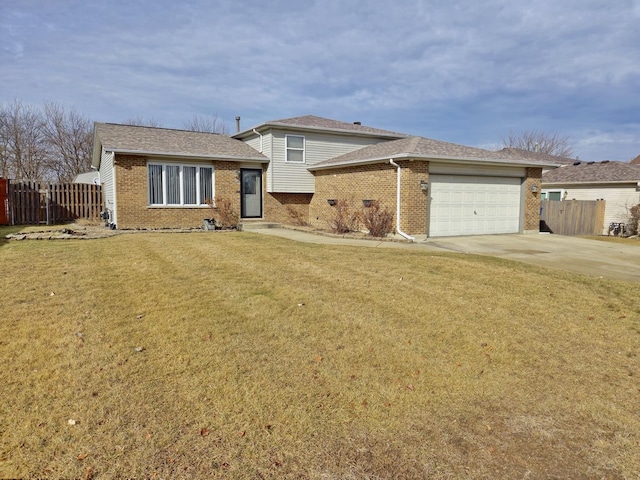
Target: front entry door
{"x":250,"y":193}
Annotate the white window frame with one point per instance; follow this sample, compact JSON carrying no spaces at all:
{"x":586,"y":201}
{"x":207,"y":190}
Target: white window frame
{"x":294,"y":149}
{"x":561,"y":191}
{"x":181,"y":166}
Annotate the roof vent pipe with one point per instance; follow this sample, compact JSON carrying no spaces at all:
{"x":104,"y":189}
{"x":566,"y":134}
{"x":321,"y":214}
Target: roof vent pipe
{"x":400,"y":232}
{"x":237,"y":124}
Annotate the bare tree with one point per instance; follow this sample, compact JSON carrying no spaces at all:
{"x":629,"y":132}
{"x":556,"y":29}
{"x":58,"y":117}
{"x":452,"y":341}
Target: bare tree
{"x":207,"y":124}
{"x":541,"y":142}
{"x":22,"y":141}
{"x":140,"y":122}
{"x":68,"y":136}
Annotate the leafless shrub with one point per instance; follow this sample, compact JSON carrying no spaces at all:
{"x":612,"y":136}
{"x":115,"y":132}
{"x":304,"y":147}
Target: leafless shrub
{"x":297,"y":217}
{"x":377,"y":219}
{"x":224,"y":216}
{"x":633,"y":225}
{"x":344,"y":219}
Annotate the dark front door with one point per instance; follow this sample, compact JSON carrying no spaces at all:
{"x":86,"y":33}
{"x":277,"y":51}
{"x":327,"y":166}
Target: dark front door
{"x":250,"y":193}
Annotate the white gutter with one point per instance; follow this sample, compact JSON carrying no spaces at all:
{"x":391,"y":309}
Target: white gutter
{"x":400,"y":232}
{"x":258,"y":133}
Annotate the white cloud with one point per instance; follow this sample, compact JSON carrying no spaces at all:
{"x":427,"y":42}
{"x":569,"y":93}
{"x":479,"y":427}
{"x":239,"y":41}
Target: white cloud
{"x":465,"y":70}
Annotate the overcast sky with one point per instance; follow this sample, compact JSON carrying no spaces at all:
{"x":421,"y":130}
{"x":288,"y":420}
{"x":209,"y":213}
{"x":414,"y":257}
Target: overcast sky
{"x":463,"y":71}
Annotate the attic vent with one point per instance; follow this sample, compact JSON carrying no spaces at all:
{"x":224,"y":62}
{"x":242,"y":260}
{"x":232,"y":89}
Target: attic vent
{"x":576,"y":163}
{"x":357,"y":123}
{"x":590,"y":163}
{"x":605,"y":161}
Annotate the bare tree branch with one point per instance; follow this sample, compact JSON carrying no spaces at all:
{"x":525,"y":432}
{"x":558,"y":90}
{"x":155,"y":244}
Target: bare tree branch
{"x":207,"y":124}
{"x":22,"y":140}
{"x":541,"y":142}
{"x":69,"y":139}
{"x":140,"y":122}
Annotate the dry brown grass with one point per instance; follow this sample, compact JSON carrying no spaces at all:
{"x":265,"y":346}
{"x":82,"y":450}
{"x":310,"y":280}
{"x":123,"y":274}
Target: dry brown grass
{"x":263,"y":358}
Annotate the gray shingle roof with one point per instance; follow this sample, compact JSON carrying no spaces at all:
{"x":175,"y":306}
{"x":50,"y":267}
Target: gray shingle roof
{"x":424,"y":148}
{"x":593,"y":172}
{"x":311,"y":122}
{"x":179,"y":143}
{"x":543,"y":157}
{"x":636,"y":161}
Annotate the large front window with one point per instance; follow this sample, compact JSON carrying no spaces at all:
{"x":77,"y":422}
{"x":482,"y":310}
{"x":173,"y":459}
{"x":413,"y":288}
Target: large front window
{"x":182,"y":185}
{"x":295,"y":148}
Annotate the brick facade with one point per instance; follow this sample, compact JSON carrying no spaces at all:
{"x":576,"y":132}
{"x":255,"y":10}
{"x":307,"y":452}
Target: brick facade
{"x":374,"y":182}
{"x":532,"y":200}
{"x":287,"y":208}
{"x":379,"y":181}
{"x":133,"y":203}
{"x":353,"y":184}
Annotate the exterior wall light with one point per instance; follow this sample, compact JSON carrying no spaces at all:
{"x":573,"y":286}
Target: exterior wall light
{"x":534,"y":188}
{"x":424,"y":186}
{"x":331,"y":202}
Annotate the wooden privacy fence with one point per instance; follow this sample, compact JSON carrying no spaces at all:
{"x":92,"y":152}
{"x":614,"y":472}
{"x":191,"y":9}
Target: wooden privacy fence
{"x":4,"y":206}
{"x":572,"y":217}
{"x":32,"y":203}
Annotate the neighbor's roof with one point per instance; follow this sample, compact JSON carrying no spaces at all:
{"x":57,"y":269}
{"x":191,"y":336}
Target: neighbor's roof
{"x":166,"y":142}
{"x":636,"y":161}
{"x":313,"y":123}
{"x":594,"y":172}
{"x":428,"y":149}
{"x":543,"y":157}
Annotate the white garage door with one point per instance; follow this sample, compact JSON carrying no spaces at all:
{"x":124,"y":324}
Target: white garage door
{"x":474,"y":205}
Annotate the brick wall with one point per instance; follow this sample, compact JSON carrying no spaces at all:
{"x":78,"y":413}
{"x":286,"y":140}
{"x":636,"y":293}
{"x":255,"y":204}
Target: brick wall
{"x":532,"y":200}
{"x":287,"y":208}
{"x":132,"y":196}
{"x":373,"y":182}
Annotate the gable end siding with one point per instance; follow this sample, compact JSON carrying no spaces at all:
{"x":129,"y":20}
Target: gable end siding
{"x":107,"y":180}
{"x":291,"y":177}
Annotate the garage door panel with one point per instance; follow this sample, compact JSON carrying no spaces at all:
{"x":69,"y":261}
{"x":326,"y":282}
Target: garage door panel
{"x":468,"y":205}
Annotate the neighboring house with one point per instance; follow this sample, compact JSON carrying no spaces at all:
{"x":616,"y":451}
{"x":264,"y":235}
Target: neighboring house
{"x":618,"y":183}
{"x":92,"y":178}
{"x":156,"y":177}
{"x":636,"y":161}
{"x":436,"y":188}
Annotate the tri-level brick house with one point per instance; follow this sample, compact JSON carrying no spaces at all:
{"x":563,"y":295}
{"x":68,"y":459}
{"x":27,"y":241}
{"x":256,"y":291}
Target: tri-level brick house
{"x":297,"y":167}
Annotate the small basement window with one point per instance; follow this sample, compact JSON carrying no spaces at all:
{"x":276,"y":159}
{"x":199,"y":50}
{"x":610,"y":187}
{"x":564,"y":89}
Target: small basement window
{"x":295,"y":148}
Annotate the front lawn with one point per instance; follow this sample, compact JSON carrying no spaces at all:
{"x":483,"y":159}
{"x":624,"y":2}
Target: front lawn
{"x":236,"y":355}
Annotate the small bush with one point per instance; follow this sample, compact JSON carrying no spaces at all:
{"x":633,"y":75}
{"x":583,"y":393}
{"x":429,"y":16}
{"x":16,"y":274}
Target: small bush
{"x":344,"y":219}
{"x":633,"y":227}
{"x":224,"y":215}
{"x":377,"y":219}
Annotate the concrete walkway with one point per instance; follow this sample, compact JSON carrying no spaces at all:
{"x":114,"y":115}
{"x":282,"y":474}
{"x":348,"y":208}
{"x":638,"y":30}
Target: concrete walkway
{"x":590,"y":257}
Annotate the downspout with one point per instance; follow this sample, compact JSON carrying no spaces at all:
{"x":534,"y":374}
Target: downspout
{"x":400,"y":232}
{"x":258,"y":133}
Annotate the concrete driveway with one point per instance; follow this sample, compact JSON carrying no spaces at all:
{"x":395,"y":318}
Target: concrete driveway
{"x":590,"y":257}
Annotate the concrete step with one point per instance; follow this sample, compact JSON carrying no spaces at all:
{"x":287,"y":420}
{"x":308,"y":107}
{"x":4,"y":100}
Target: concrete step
{"x":256,"y":225}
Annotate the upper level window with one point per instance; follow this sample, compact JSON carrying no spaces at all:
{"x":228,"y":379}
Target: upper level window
{"x":295,"y":148}
{"x":176,"y":184}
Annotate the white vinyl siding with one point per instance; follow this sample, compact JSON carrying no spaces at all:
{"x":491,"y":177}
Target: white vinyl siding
{"x":474,"y":205}
{"x":179,"y":185}
{"x":293,"y":177}
{"x":108,"y":182}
